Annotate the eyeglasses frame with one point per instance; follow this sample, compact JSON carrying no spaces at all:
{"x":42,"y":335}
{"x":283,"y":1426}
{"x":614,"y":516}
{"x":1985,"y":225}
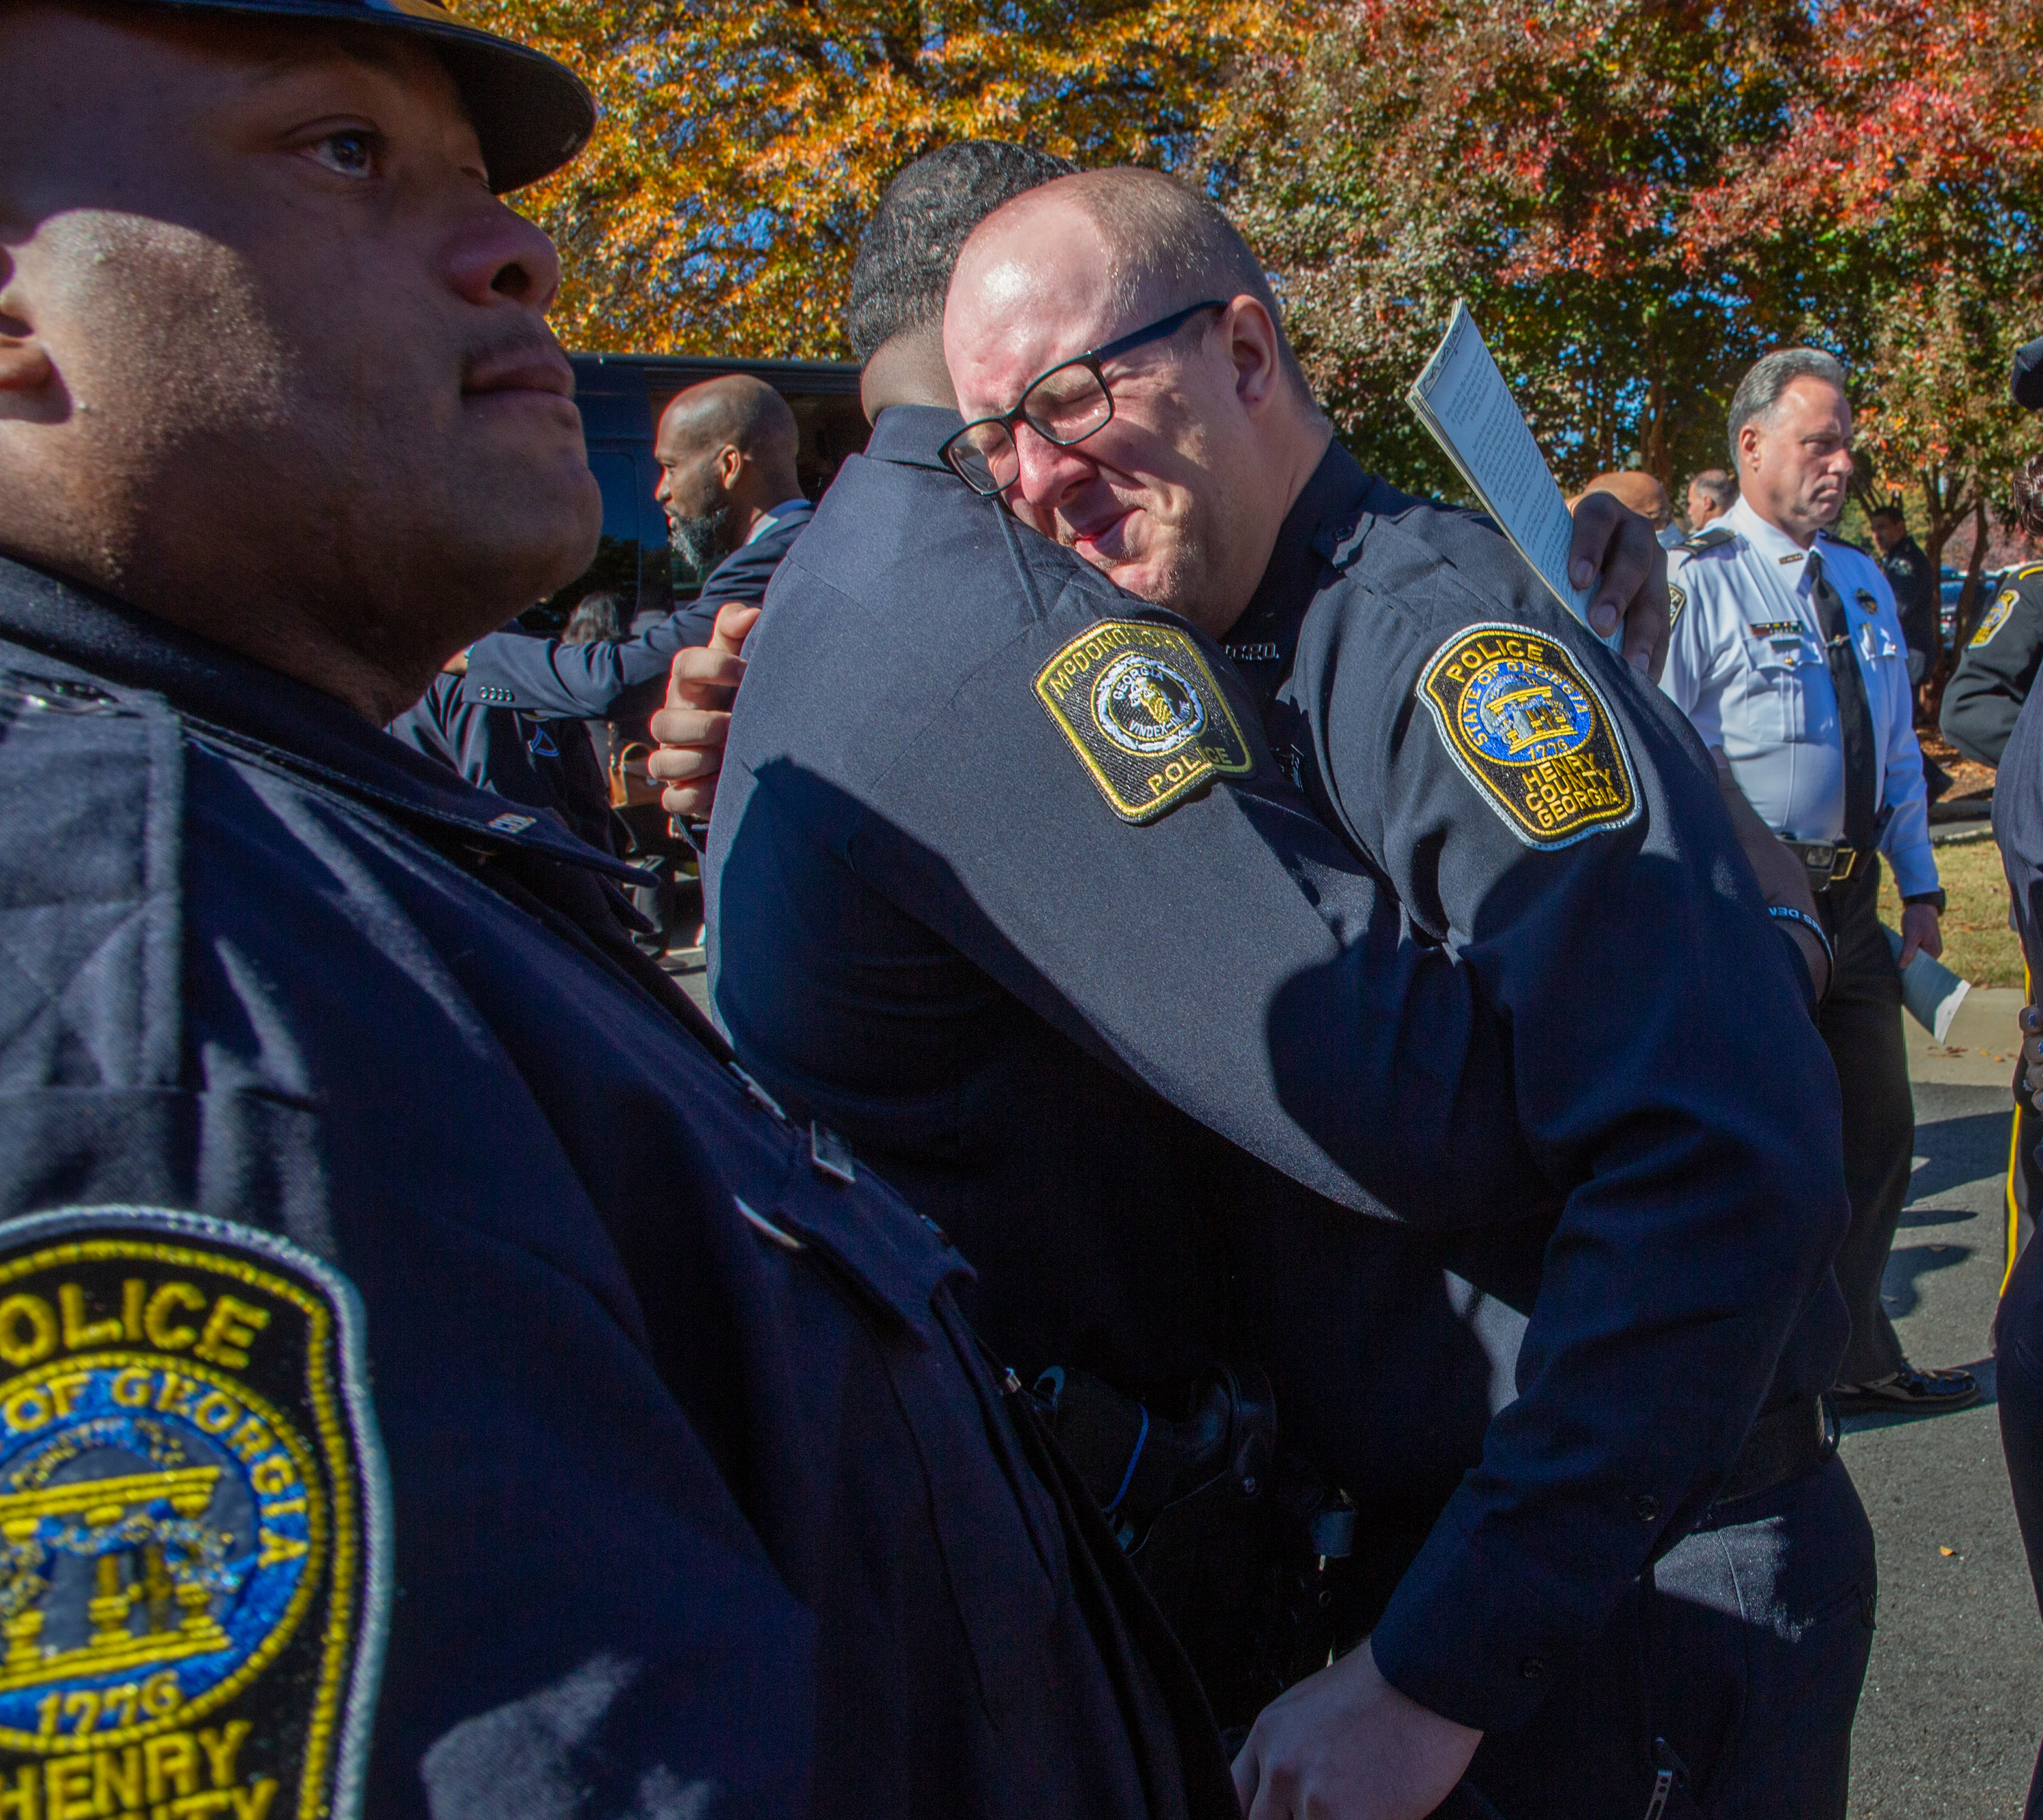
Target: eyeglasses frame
{"x":1093,"y":359}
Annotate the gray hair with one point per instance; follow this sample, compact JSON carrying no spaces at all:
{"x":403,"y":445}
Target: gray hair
{"x":1759,"y":392}
{"x":1717,"y":486}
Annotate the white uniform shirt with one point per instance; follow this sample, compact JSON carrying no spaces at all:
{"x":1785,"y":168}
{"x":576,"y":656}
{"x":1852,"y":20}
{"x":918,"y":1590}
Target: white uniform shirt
{"x":1745,"y":663}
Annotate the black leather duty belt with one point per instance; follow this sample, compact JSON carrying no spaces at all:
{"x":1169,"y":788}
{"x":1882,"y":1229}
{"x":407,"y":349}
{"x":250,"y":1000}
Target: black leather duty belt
{"x":1829,"y":861}
{"x":1792,"y":1440}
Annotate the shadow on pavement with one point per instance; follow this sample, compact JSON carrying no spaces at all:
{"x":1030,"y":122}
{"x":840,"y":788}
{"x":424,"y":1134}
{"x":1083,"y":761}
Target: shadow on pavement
{"x":1906,"y":1265}
{"x":1956,"y":1152}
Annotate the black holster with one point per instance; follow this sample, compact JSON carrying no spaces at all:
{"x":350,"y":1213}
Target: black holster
{"x":1231,"y":1533}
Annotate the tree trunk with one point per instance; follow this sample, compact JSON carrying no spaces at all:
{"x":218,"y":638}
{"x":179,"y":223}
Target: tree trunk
{"x":1968,"y":615}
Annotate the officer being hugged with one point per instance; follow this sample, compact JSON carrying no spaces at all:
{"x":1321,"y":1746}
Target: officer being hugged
{"x":432,"y":1380}
{"x":1789,"y":658}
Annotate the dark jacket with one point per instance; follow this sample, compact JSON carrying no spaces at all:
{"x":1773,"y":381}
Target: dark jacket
{"x":548,"y":766}
{"x":702,"y":1498}
{"x":592,"y":681}
{"x":1997,"y":670}
{"x":1916,"y":597}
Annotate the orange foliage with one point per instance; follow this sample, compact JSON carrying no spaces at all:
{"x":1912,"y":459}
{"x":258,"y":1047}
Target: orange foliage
{"x":743,"y":142}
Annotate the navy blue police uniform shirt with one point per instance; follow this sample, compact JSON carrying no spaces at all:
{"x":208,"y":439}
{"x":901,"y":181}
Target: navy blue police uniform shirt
{"x":1998,"y":669}
{"x":546,"y":676}
{"x":1553,"y":823}
{"x":942,"y":908}
{"x":512,"y":755}
{"x":700,"y":1494}
{"x":2018,"y":828}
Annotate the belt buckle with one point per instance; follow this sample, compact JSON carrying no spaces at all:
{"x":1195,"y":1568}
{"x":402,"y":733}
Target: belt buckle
{"x":1820,"y":858}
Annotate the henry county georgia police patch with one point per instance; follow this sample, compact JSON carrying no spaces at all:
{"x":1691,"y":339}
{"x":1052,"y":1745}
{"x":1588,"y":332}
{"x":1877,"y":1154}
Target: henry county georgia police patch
{"x":1145,"y":714}
{"x":193,"y":1552}
{"x":1531,"y":733}
{"x":1996,"y":617}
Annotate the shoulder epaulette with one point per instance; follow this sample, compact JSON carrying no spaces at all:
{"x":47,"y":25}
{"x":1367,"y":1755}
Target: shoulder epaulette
{"x":1707,"y":539}
{"x":2023,"y":574}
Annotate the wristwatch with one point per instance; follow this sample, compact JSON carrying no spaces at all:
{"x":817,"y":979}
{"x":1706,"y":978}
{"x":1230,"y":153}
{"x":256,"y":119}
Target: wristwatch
{"x":1935,"y":899}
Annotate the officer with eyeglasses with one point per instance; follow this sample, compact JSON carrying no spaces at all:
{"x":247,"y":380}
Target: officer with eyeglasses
{"x":1651,"y":1595}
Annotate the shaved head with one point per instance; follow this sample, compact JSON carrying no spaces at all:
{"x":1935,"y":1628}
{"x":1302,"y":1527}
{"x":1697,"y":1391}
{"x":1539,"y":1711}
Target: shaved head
{"x":1635,"y":488}
{"x":1180,"y":492}
{"x":728,"y":453}
{"x":738,"y":409}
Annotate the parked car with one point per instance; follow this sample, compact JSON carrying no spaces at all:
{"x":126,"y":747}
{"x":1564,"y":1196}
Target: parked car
{"x":621,"y":397}
{"x":1951,"y":585}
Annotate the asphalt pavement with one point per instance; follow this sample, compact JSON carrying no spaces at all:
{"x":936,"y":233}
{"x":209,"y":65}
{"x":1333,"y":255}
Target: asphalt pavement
{"x":1953,"y":1705}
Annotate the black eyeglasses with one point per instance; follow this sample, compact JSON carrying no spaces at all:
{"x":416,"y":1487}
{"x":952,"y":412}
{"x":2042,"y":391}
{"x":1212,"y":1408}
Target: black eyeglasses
{"x":1065,"y":406}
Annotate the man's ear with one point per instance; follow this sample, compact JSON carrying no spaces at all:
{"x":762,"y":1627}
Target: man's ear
{"x":730,"y":464}
{"x":1253,"y":345}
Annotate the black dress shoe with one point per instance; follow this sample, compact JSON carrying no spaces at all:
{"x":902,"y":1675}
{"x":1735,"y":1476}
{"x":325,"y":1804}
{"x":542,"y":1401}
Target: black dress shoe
{"x":1909,"y":1389}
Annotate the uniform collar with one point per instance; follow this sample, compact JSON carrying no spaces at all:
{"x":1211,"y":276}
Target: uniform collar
{"x":910,"y":435}
{"x":1771,"y":543}
{"x":255,"y":707}
{"x":774,"y":517}
{"x":1320,"y":527}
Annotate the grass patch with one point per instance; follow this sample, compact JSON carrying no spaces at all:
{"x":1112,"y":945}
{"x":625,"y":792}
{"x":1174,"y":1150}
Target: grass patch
{"x":1978,"y":944}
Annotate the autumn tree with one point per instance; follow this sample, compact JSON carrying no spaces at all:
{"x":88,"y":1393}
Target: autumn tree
{"x":1914,"y":151}
{"x":1640,"y":197}
{"x":744,"y":143}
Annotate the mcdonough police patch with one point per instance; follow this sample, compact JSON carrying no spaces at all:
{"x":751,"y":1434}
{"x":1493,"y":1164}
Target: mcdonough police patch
{"x":1531,"y":733}
{"x":1144,"y":714}
{"x":1996,"y":617}
{"x":193,"y":1525}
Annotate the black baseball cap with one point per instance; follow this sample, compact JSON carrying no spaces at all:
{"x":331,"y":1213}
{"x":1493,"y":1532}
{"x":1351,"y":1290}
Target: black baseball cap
{"x":2027,"y":382}
{"x":531,"y":113}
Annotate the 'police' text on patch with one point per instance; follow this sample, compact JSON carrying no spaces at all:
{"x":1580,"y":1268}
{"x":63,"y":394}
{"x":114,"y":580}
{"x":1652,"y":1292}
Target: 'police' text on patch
{"x":1532,"y":732}
{"x":193,"y":1570}
{"x":1144,"y":714}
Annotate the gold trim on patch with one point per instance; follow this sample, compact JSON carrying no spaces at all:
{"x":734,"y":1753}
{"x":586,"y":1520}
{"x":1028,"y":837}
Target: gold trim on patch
{"x":1532,"y":733}
{"x":1145,"y":714}
{"x":1996,"y":617}
{"x":204,"y":1624}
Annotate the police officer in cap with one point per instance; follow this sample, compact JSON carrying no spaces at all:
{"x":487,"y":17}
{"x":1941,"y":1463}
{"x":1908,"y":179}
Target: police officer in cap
{"x":1790,"y":660}
{"x":438,"y":1382}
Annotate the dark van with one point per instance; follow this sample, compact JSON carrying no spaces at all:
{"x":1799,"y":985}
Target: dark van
{"x":621,"y":397}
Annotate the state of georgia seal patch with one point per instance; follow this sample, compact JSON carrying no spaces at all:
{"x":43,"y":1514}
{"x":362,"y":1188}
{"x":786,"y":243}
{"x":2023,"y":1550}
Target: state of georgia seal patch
{"x":1532,"y":732}
{"x":1145,"y":714}
{"x":1996,"y":617}
{"x":193,"y":1551}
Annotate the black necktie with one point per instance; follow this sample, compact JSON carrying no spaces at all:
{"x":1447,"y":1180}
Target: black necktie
{"x":1854,"y":715}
